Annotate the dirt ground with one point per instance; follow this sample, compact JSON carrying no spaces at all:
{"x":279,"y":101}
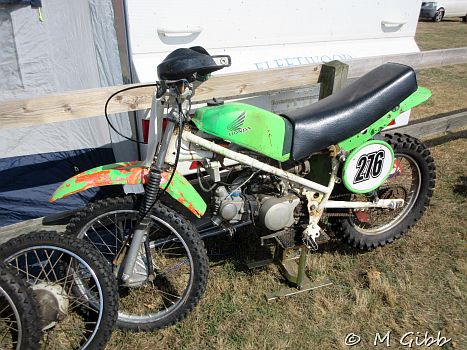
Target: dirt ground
{"x":417,"y":284}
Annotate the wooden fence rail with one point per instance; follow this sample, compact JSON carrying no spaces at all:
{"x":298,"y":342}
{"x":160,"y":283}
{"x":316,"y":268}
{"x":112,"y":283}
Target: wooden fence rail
{"x":90,"y":103}
{"x":430,"y":127}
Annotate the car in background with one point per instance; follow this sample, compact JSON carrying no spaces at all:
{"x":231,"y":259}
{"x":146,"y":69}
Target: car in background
{"x":437,"y":10}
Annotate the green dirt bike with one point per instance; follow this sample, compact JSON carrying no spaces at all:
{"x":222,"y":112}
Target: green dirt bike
{"x":290,"y":174}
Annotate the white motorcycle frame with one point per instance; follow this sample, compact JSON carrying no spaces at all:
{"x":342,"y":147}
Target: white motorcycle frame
{"x":317,"y":195}
{"x":208,"y":148}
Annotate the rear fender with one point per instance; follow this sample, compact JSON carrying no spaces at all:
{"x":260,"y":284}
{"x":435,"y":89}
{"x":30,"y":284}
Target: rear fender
{"x":419,"y":96}
{"x":132,"y":173}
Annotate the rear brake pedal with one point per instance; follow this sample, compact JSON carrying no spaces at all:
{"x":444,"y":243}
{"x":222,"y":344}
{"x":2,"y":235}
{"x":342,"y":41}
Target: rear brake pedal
{"x":272,"y":235}
{"x":287,"y":239}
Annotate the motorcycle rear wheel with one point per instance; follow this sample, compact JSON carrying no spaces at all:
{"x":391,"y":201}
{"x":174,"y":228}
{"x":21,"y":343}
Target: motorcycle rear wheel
{"x":181,"y":266}
{"x":415,"y":184}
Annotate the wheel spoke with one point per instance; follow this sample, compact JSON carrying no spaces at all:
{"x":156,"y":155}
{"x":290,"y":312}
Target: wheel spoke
{"x":404,"y":185}
{"x":171,"y":254}
{"x":67,"y":277}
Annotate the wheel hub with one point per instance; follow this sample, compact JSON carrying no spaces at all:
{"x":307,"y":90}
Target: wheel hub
{"x":53,"y":303}
{"x":139,"y":275}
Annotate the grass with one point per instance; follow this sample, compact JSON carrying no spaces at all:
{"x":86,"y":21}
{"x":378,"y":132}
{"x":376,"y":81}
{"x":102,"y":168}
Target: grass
{"x":416,"y":284}
{"x":449,"y":83}
{"x":447,"y":34}
{"x":449,"y":87}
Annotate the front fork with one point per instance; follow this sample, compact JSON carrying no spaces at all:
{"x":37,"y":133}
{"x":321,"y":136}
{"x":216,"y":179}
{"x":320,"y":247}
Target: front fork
{"x":139,"y":237}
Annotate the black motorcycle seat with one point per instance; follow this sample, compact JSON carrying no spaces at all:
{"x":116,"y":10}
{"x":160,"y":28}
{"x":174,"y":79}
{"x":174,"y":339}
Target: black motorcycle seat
{"x":350,"y":110}
{"x":183,"y":63}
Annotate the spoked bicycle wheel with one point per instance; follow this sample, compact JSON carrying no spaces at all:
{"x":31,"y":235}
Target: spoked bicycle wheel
{"x":178,"y":255}
{"x":73,"y":286}
{"x":19,"y":317}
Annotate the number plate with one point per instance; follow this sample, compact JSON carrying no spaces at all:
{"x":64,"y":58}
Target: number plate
{"x":368,"y":166}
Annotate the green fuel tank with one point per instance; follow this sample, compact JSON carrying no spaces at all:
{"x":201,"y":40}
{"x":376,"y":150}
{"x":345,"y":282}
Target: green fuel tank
{"x":248,"y":126}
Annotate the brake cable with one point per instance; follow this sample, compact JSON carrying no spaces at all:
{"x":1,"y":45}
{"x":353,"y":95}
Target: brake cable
{"x":107,"y":103}
{"x":181,"y":126}
{"x":177,"y":155}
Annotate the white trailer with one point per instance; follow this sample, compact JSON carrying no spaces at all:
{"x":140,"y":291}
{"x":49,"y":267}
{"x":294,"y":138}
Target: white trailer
{"x":267,"y":34}
{"x":261,"y":35}
{"x":90,"y":43}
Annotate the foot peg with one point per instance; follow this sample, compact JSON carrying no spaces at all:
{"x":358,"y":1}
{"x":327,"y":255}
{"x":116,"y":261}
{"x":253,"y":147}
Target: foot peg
{"x":310,"y":236}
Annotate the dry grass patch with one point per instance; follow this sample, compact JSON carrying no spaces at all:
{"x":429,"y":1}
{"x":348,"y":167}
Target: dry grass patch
{"x":448,"y":84}
{"x":444,"y":35}
{"x":449,"y":87}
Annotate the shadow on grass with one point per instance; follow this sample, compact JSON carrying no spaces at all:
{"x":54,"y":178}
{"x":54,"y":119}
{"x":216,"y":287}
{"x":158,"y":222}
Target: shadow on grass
{"x":245,"y":246}
{"x":449,"y":137}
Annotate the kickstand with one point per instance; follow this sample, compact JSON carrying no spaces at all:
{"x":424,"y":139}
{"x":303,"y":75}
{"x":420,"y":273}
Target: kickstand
{"x":292,"y":264}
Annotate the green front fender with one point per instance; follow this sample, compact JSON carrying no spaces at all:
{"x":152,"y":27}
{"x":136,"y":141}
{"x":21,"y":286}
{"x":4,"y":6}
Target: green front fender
{"x":132,"y":173}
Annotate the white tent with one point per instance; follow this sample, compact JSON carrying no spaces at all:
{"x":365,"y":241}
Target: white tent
{"x":74,"y":47}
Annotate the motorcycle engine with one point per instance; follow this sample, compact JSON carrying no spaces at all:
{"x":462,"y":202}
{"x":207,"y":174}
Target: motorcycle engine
{"x":229,"y":205}
{"x":276,"y":213}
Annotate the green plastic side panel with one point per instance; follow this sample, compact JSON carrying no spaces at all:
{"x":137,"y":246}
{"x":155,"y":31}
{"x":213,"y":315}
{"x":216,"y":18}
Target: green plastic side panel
{"x":248,"y":126}
{"x":421,"y":95}
{"x":132,"y":173}
{"x":352,"y":154}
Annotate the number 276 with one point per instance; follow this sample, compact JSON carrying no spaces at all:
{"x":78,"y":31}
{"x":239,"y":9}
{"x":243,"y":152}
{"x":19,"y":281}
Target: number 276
{"x":369,"y":165}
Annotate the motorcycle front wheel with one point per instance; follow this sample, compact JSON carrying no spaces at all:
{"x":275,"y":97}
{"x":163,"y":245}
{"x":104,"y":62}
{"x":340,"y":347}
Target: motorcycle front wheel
{"x":413,"y":179}
{"x":178,"y":256}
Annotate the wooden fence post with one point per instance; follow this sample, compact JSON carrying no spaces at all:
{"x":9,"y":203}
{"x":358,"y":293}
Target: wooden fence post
{"x":332,"y":77}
